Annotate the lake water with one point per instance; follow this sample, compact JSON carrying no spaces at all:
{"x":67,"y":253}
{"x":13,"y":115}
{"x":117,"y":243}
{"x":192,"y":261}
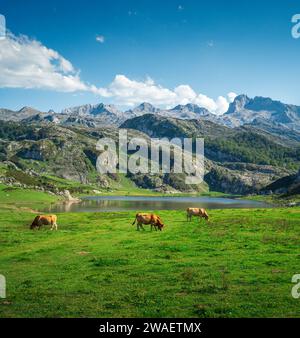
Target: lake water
{"x":123,"y":203}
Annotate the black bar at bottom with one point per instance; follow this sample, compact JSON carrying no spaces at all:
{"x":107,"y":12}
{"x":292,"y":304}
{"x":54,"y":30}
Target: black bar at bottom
{"x":92,"y":327}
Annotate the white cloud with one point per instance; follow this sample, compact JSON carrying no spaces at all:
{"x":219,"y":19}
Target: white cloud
{"x":100,"y":38}
{"x":26,"y":63}
{"x":231,"y":96}
{"x":129,"y":92}
{"x":185,"y":94}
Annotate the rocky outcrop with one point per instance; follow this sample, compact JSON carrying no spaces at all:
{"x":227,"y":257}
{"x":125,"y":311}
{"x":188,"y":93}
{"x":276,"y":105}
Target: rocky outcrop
{"x":288,"y":185}
{"x":241,"y":178}
{"x":68,"y":197}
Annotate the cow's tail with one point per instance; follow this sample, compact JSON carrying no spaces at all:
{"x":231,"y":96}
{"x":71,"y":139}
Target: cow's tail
{"x":134,"y":220}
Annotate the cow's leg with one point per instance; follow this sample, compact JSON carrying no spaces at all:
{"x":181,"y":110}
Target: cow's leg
{"x":138,"y":226}
{"x":55,"y":226}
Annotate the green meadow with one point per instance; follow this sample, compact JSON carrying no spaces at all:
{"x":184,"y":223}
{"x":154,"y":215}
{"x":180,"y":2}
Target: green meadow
{"x":239,"y":264}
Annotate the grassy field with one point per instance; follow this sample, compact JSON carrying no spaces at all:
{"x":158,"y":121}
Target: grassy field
{"x":17,"y":198}
{"x":279,"y":200}
{"x":240,"y":264}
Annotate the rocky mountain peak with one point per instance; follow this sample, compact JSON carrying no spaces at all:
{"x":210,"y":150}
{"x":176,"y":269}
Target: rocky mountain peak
{"x":92,"y":109}
{"x":146,"y":107}
{"x":29,"y":110}
{"x":192,"y":108}
{"x":238,"y":104}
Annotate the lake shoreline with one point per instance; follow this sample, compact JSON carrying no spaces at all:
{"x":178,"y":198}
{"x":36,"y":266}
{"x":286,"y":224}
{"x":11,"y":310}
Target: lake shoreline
{"x":130,"y":203}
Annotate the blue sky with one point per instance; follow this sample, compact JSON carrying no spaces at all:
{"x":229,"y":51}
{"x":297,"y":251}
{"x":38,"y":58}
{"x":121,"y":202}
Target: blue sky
{"x":147,"y":49}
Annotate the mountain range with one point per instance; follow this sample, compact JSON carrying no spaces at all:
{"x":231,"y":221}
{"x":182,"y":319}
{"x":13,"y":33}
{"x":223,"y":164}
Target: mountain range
{"x":255,"y":143}
{"x":258,"y":111}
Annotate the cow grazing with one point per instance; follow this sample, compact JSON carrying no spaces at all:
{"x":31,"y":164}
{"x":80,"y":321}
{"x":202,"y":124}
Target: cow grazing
{"x":151,"y":219}
{"x":200,"y":212}
{"x":44,"y":220}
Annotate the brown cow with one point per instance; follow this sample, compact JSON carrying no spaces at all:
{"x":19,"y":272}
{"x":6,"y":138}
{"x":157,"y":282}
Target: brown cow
{"x":144,"y":218}
{"x":200,"y":212}
{"x":44,"y":220}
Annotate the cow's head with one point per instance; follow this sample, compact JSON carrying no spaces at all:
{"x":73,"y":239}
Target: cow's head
{"x":160,"y":225}
{"x":33,"y":225}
